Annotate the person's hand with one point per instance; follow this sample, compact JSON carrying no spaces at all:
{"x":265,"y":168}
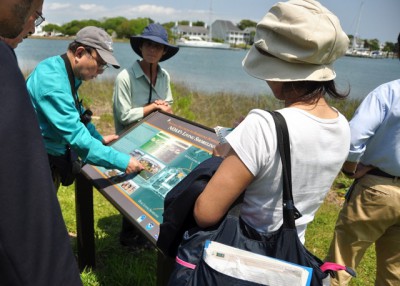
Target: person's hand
{"x":162,"y":105}
{"x":109,"y":138}
{"x":165,"y":108}
{"x":362,"y":170}
{"x":134,"y":166}
{"x":161,"y":102}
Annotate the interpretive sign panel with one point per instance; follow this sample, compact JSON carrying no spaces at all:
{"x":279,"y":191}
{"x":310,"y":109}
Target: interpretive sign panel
{"x":169,"y":147}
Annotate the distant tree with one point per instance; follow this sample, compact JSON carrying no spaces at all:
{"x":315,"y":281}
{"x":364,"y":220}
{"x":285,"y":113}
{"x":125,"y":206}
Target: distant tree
{"x":243,"y":24}
{"x":252,"y":35}
{"x":124,"y":30}
{"x":52,"y":28}
{"x":91,"y":22}
{"x":198,"y":24}
{"x":389,"y":47}
{"x":183,"y":23}
{"x":71,"y":28}
{"x":111,"y":24}
{"x":373,"y":44}
{"x":168,"y":25}
{"x":132,"y":27}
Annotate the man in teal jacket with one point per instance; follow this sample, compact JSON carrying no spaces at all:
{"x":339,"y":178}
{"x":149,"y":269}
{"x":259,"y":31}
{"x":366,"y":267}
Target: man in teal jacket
{"x":65,"y":125}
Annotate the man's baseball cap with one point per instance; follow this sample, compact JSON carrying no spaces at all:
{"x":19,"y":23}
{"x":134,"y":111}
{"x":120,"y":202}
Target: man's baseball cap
{"x":98,"y":39}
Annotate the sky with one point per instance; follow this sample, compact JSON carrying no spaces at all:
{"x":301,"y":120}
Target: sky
{"x":375,"y":19}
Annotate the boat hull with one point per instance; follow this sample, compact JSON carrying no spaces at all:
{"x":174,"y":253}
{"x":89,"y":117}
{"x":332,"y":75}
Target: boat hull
{"x":197,"y":43}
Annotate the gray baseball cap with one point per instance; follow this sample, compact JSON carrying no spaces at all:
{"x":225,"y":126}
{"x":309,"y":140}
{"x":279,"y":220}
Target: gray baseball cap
{"x":98,"y":39}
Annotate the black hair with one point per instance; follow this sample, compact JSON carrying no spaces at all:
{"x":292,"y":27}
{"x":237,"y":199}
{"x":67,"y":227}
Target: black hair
{"x":73,"y":46}
{"x":309,"y":91}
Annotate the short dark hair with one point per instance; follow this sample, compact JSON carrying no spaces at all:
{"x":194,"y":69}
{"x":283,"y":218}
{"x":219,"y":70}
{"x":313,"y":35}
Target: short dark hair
{"x":73,"y":46}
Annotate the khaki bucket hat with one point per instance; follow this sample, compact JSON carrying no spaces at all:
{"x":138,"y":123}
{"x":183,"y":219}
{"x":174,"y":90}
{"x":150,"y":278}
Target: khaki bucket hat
{"x":296,"y":40}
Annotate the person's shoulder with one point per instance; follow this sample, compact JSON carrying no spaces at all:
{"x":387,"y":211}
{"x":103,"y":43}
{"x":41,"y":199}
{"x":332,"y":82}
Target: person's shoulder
{"x":259,"y":113}
{"x":394,"y":86}
{"x":163,"y":71}
{"x":7,"y":54}
{"x":6,"y":48}
{"x":123,"y":74}
{"x":135,"y":70}
{"x":259,"y":117}
{"x":50,"y":64}
{"x":49,"y":75}
{"x":388,"y":92}
{"x":10,"y":73}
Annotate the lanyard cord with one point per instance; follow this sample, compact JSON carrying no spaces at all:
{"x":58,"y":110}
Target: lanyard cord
{"x":151,"y":84}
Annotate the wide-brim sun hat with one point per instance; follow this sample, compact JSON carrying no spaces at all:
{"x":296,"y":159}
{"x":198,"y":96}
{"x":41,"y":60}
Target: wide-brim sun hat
{"x":155,"y":33}
{"x":98,"y":39}
{"x":296,"y":40}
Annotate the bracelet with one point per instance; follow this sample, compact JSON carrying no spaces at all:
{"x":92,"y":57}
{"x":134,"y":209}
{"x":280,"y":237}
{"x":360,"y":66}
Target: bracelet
{"x":347,"y":173}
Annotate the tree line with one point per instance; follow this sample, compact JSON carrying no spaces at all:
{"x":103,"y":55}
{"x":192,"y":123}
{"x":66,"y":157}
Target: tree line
{"x":123,"y":28}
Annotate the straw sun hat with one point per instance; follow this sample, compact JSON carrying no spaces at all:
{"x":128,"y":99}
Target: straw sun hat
{"x":296,"y":40}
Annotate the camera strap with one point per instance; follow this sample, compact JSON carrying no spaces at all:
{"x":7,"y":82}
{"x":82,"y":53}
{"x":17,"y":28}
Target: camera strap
{"x":71,"y":78}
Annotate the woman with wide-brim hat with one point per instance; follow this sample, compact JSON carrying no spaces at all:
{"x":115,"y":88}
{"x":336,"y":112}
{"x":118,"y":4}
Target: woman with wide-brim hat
{"x":138,"y":91}
{"x":145,"y":86}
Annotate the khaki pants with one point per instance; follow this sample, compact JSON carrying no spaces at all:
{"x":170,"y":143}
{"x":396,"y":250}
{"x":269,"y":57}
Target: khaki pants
{"x":370,"y":215}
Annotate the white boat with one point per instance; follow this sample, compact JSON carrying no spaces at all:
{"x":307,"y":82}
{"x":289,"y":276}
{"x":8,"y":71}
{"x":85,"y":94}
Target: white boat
{"x":198,"y":42}
{"x":359,"y":51}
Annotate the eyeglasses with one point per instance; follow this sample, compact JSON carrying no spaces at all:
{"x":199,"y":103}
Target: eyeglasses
{"x":100,"y":65}
{"x":39,"y":18}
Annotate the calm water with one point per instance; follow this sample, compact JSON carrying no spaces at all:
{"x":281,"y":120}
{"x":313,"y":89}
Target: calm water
{"x":220,"y":70}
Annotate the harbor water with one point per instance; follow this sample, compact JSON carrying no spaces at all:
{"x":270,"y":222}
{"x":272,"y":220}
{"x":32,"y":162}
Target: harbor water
{"x":213,"y":70}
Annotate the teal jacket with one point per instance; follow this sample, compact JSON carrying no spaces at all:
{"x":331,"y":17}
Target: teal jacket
{"x":59,"y":120}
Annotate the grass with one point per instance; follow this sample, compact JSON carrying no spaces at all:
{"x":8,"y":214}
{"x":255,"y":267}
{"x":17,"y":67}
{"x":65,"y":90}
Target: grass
{"x":117,"y":267}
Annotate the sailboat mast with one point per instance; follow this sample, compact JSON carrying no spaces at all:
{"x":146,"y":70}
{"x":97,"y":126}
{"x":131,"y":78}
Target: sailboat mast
{"x":357,"y":26}
{"x":210,"y":23}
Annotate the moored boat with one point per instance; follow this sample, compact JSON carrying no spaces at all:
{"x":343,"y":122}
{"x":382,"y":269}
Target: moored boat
{"x":198,"y":42}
